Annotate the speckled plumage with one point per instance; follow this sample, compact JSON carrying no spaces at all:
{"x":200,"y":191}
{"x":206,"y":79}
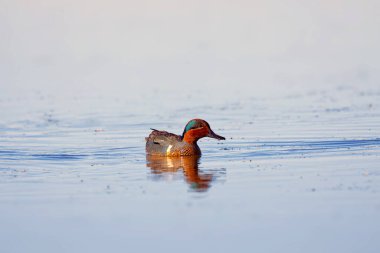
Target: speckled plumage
{"x":162,"y":143}
{"x":158,"y":142}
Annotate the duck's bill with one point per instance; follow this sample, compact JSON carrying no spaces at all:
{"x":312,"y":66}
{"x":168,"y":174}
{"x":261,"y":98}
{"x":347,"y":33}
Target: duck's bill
{"x":215,"y":136}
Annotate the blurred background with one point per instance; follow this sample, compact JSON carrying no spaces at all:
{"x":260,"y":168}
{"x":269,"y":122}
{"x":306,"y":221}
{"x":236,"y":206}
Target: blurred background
{"x":294,"y":86}
{"x":124,"y":46}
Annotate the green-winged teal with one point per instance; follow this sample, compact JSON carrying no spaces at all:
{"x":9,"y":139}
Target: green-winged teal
{"x":162,"y":143}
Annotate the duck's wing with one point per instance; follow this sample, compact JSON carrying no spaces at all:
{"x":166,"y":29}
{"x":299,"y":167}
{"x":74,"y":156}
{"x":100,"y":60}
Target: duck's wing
{"x":162,"y":138}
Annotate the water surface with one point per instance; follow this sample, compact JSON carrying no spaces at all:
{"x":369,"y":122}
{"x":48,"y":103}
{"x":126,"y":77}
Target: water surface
{"x":298,"y":172}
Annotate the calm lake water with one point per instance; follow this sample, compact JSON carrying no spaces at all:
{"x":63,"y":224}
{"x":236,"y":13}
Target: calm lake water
{"x":298,"y":172}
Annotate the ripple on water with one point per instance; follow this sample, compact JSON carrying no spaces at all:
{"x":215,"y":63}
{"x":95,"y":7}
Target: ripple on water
{"x":314,"y":157}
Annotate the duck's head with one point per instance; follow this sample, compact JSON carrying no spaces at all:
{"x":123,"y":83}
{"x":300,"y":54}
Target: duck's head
{"x":196,"y":129}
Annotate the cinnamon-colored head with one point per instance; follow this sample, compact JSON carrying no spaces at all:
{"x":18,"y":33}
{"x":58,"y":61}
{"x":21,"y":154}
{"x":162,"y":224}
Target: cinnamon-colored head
{"x":196,"y":129}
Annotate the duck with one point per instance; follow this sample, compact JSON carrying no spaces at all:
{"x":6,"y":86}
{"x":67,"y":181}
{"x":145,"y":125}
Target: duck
{"x":162,"y":143}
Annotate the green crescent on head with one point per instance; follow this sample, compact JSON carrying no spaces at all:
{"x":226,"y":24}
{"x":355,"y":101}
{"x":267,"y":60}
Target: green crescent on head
{"x":190,"y":125}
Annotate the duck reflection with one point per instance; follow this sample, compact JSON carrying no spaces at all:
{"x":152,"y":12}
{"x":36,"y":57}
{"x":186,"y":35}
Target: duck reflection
{"x":197,"y":180}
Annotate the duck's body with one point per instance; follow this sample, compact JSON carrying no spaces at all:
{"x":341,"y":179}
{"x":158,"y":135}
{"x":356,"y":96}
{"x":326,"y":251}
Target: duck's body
{"x":162,"y":143}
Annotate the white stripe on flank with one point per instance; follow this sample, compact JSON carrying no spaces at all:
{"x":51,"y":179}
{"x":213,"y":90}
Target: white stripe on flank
{"x":168,"y":150}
